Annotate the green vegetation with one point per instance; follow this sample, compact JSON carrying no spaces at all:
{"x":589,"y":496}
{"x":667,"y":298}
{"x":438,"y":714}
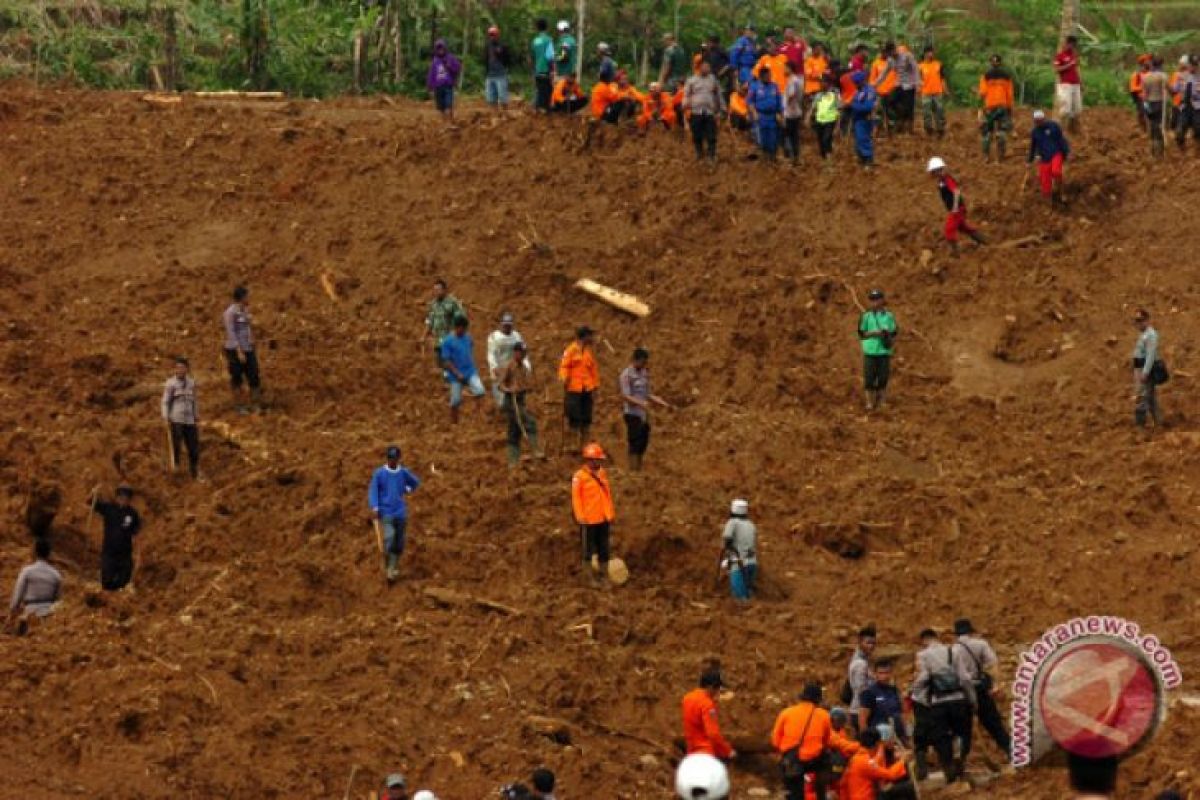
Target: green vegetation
{"x":308,"y":47}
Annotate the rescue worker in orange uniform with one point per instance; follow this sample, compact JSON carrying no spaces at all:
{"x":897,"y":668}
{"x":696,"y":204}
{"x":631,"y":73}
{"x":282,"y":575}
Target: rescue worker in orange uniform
{"x":1135,"y":89}
{"x":568,"y":97}
{"x":801,"y":737}
{"x":815,"y":67}
{"x":842,"y":747}
{"x":580,"y":376}
{"x":933,"y":94}
{"x":700,"y":729}
{"x":739,"y":111}
{"x":776,"y":62}
{"x":592,"y":505}
{"x":996,"y":92}
{"x":612,"y":102}
{"x":657,"y":106}
{"x":884,"y":78}
{"x":867,"y":768}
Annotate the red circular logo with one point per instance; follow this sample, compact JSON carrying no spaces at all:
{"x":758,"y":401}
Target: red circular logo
{"x":1098,"y":700}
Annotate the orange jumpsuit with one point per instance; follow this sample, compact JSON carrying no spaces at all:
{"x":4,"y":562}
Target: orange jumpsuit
{"x":700,"y":729}
{"x":862,"y":775}
{"x":657,"y":105}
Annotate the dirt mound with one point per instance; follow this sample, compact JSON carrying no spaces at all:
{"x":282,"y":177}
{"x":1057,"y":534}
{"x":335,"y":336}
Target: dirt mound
{"x":261,"y":654}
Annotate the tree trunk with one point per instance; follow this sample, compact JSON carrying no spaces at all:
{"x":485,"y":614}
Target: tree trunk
{"x":171,"y":48}
{"x":644,"y":66}
{"x":579,"y":44}
{"x":1070,"y":18}
{"x":397,"y":31}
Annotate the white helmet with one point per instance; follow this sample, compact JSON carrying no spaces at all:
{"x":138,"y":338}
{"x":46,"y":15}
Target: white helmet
{"x":702,"y":777}
{"x":563,"y":26}
{"x":603,"y":47}
{"x":739,"y":506}
{"x":424,"y":794}
{"x":935,"y":163}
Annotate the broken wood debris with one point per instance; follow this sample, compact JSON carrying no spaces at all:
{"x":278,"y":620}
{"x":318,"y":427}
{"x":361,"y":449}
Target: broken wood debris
{"x":617,"y":299}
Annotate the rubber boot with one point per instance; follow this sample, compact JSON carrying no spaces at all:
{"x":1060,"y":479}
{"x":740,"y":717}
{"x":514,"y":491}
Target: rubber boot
{"x":987,"y":147}
{"x":870,"y":400}
{"x":514,"y":455}
{"x":393,"y":571}
{"x":635,"y":463}
{"x":256,"y":400}
{"x":534,"y":446}
{"x":1001,"y":148}
{"x":879,"y":399}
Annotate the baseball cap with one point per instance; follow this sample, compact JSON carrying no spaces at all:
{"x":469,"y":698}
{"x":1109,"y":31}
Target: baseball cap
{"x":506,"y":318}
{"x":395,"y":781}
{"x":875,"y":294}
{"x":1039,"y":114}
{"x":393,"y":452}
{"x":583,"y":331}
{"x":125,"y":489}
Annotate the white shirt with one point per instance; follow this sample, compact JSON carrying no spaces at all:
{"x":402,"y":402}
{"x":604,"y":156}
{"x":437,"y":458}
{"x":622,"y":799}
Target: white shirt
{"x":500,"y":350}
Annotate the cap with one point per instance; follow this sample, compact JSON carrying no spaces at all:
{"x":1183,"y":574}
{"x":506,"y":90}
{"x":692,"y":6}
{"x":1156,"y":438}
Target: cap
{"x":711,"y":679}
{"x":125,"y":489}
{"x":838,"y":714}
{"x":739,"y":506}
{"x":583,"y":331}
{"x":875,"y":294}
{"x":563,"y":25}
{"x":594,"y":451}
{"x":1039,"y":114}
{"x":395,"y":781}
{"x":506,"y":318}
{"x":935,"y":163}
{"x":602,"y":47}
{"x":962,"y":626}
{"x":393,"y":451}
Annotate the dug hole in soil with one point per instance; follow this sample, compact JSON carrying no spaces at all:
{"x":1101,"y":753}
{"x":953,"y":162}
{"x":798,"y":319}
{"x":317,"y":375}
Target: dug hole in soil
{"x":261,"y":655}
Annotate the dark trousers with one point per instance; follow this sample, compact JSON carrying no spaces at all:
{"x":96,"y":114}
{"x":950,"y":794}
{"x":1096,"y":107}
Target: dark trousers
{"x":578,"y":408}
{"x":824,"y":131}
{"x":618,"y":111}
{"x":819,"y":769}
{"x":637,"y":431}
{"x":115,"y":571}
{"x":570,"y":105}
{"x":186,"y":436}
{"x":542,"y":91}
{"x":791,"y":137}
{"x":904,"y":103}
{"x":704,"y":135}
{"x":876,"y":371}
{"x":514,"y":405}
{"x":1154,"y":114}
{"x":1189,"y":120}
{"x":992,"y":722}
{"x":595,"y":543}
{"x":950,"y":721}
{"x":242,"y":369}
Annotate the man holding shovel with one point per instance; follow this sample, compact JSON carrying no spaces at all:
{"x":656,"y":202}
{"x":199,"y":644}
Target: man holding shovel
{"x":515,"y":382}
{"x":390,"y":486}
{"x":180,"y":411}
{"x":592,"y":505}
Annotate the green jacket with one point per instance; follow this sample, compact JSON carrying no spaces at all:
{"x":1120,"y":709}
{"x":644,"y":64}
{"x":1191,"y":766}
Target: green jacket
{"x":543,"y":53}
{"x":872,"y":320}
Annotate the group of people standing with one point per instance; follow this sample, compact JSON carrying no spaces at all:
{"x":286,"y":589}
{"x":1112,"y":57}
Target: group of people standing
{"x":876,"y":743}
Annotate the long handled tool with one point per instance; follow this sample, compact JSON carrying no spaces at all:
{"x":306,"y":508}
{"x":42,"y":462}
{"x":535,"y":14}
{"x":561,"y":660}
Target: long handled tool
{"x":1024,"y":181}
{"x":92,"y":513}
{"x":378,"y":534}
{"x":171,"y":449}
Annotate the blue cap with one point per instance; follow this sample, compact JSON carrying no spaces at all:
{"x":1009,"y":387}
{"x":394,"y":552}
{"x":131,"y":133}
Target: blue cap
{"x":393,"y":451}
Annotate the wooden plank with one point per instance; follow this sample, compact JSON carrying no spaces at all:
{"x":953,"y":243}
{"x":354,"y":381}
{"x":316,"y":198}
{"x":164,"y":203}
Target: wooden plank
{"x":234,"y":95}
{"x":619,"y":300}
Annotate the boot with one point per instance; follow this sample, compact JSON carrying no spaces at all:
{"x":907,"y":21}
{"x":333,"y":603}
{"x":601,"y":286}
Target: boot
{"x":256,"y":399}
{"x":534,"y":446}
{"x":1001,"y":148}
{"x":870,"y":400}
{"x":238,"y":405}
{"x":879,"y":399}
{"x":635,"y":463}
{"x":987,"y":148}
{"x":514,"y":455}
{"x":393,"y":571}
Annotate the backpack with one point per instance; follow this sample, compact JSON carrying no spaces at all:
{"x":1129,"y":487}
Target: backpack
{"x":945,"y":680}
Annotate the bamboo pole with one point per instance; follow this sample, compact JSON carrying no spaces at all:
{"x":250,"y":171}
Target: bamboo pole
{"x":579,"y":51}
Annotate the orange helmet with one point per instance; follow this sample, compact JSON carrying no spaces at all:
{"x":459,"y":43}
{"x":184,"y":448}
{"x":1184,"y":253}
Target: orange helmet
{"x":594,"y":450}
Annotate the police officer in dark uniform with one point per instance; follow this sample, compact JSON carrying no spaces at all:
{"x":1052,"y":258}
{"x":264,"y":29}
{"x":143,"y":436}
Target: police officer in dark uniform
{"x":121,"y":525}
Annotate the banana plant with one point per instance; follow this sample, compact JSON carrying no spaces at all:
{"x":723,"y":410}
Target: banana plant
{"x":1119,"y":38}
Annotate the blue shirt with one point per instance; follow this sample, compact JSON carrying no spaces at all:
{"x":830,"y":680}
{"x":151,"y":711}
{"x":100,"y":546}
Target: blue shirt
{"x":743,"y":56}
{"x":459,"y":352}
{"x":388,"y":490}
{"x":883,"y":704}
{"x":1046,"y":141}
{"x":864,"y":102}
{"x":766,"y":100}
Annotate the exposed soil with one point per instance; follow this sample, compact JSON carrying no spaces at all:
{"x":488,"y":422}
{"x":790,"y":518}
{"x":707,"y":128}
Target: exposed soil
{"x":261,"y":655}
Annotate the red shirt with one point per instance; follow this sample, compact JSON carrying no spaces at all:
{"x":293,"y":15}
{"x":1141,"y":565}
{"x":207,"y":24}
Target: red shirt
{"x":1071,"y":74}
{"x":794,"y":52}
{"x":858,"y":63}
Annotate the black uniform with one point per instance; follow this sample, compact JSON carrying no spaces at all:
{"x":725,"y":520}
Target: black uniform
{"x":121,"y":524}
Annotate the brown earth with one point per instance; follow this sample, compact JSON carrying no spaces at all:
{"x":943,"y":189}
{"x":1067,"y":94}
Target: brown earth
{"x":261,"y":655}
